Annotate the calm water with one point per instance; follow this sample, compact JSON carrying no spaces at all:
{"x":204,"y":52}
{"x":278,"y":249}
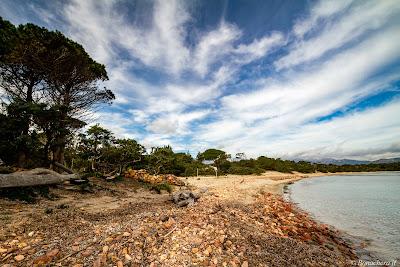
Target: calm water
{"x":365,"y":206}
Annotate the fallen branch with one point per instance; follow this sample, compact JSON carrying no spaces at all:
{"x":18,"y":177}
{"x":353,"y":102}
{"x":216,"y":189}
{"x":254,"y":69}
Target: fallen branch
{"x":34,"y":177}
{"x":170,"y":232}
{"x":59,"y":165}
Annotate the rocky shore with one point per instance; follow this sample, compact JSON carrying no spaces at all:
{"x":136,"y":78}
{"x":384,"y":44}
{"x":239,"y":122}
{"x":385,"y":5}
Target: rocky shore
{"x":144,"y":229}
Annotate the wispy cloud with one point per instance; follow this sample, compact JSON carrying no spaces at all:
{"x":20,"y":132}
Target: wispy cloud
{"x":225,"y":86}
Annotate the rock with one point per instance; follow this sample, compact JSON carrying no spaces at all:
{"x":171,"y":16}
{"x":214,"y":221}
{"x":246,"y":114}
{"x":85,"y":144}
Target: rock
{"x":31,"y":233}
{"x":19,"y":257}
{"x":168,"y":224}
{"x":105,"y":249}
{"x":126,"y":234}
{"x":52,"y":253}
{"x":3,"y":250}
{"x":195,"y":250}
{"x":87,"y":252}
{"x":207,"y":251}
{"x":97,"y":263}
{"x":245,"y":264}
{"x":128,"y":257}
{"x":185,"y":198}
{"x":120,"y":264}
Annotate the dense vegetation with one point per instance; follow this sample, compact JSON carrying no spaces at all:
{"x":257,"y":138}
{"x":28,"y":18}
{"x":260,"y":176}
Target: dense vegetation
{"x":97,"y":150}
{"x":47,"y":85}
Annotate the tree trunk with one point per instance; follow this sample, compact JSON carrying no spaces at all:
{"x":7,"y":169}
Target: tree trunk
{"x":23,"y":153}
{"x":21,"y":159}
{"x":58,"y":153}
{"x":33,"y":177}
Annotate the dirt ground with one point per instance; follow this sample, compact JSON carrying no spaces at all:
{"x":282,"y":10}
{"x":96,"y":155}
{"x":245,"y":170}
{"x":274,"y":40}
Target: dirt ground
{"x":236,"y":222}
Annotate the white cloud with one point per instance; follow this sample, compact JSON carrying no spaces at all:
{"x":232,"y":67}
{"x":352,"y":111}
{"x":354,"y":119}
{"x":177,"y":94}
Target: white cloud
{"x":257,"y":122}
{"x":361,"y":18}
{"x":214,"y":45}
{"x":322,"y":10}
{"x":175,"y":123}
{"x":173,"y":84}
{"x":116,"y":122}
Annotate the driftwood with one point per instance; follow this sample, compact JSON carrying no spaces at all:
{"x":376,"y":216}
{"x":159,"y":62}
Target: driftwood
{"x":34,"y":177}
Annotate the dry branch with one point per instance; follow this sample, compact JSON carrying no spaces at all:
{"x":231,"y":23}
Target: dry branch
{"x":34,"y":177}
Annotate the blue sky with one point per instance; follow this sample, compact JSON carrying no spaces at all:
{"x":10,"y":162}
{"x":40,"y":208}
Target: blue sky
{"x":292,"y":79}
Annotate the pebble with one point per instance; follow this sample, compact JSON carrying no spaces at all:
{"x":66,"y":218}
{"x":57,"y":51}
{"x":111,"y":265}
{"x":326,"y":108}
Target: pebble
{"x":19,"y":257}
{"x":128,"y":257}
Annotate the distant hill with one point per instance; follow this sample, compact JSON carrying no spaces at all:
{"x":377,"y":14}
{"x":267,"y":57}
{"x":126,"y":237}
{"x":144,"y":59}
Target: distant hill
{"x":354,"y":162}
{"x":392,"y":160}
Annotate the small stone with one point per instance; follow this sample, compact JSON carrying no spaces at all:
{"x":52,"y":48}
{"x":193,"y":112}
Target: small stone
{"x":168,"y":224}
{"x":245,"y":264}
{"x":75,"y":248}
{"x":207,"y":251}
{"x":87,"y":252}
{"x":105,"y":249}
{"x":126,"y":234}
{"x":52,"y":253}
{"x":19,"y":257}
{"x":97,"y":263}
{"x":3,"y":250}
{"x":78,"y":265}
{"x":120,"y":264}
{"x":128,"y":257}
{"x":108,"y":239}
{"x":195,"y":250}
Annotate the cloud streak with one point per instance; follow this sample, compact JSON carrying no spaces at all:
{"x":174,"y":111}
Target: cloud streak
{"x":257,"y":91}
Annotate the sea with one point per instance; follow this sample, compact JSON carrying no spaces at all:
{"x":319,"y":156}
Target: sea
{"x":365,"y":207}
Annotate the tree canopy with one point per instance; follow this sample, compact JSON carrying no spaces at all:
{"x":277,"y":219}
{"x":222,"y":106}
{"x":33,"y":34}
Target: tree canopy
{"x":48,"y":82}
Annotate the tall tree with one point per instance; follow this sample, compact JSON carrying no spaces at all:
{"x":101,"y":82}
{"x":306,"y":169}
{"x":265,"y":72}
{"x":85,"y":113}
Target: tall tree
{"x":44,"y":69}
{"x":73,"y":88}
{"x":22,"y":73}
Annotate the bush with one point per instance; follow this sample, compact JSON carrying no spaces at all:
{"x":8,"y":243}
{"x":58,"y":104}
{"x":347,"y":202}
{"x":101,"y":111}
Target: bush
{"x":163,"y":186}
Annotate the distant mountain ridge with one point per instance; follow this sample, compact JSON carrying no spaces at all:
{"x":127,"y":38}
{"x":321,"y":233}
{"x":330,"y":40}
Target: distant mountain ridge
{"x":354,"y":162}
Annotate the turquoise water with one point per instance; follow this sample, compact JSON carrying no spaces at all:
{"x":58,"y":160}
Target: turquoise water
{"x":365,"y":206}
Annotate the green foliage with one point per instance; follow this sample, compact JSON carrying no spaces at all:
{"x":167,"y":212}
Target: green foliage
{"x":49,"y":82}
{"x":163,"y":186}
{"x":161,"y":160}
{"x":210,"y":154}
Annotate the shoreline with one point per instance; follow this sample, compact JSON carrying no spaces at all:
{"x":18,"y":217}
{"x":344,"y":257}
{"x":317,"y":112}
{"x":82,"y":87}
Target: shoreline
{"x":278,"y":185}
{"x":359,"y":243}
{"x":301,"y":176}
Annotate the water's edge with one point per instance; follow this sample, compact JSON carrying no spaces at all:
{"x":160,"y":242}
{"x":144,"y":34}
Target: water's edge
{"x":358,"y":243}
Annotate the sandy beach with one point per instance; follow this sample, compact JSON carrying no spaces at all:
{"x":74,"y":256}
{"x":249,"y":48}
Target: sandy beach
{"x":238,"y":221}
